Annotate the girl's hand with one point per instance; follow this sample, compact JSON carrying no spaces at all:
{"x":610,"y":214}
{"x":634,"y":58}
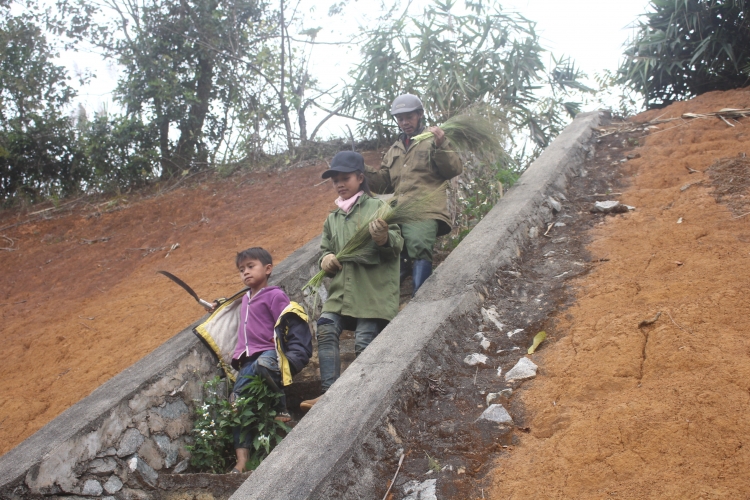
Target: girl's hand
{"x":330,"y":264}
{"x":379,"y":231}
{"x":439,"y":136}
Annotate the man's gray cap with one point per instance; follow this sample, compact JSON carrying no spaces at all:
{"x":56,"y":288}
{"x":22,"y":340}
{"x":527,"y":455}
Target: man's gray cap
{"x":405,"y":103}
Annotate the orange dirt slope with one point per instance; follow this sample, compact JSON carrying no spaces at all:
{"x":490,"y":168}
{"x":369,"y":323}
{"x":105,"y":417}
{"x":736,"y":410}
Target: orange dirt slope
{"x":75,"y":314}
{"x":661,"y":411}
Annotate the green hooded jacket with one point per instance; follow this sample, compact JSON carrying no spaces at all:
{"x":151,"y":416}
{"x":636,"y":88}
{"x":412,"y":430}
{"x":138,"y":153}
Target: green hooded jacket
{"x":417,"y":171}
{"x":362,"y":290}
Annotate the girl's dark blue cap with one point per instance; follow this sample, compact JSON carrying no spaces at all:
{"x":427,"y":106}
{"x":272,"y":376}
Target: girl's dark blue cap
{"x":345,"y":162}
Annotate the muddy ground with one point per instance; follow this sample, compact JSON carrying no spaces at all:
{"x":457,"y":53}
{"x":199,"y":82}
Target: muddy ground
{"x":657,"y":411}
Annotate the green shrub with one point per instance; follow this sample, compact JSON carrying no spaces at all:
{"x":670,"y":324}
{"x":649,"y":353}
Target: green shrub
{"x":253,"y":411}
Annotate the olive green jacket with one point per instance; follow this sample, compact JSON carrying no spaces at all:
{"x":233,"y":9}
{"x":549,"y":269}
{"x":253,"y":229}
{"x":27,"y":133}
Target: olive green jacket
{"x":421,"y":169}
{"x":369,"y":289}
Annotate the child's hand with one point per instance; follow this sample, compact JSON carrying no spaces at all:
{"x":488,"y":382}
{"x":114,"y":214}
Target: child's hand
{"x":379,"y":231}
{"x":330,"y":264}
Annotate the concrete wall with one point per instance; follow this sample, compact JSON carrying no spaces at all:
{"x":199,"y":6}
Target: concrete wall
{"x":134,"y":428}
{"x":340,"y":448}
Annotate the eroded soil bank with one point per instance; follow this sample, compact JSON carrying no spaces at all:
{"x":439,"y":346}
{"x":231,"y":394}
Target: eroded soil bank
{"x":658,"y":411}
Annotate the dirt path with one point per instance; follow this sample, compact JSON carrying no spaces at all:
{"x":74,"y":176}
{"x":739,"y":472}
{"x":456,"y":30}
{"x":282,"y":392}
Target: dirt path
{"x":660,"y":411}
{"x":74,"y":313}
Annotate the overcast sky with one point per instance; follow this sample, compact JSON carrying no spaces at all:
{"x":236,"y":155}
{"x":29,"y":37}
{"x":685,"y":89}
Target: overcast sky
{"x":592,"y":32}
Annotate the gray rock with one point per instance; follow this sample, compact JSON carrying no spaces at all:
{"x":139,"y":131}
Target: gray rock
{"x":109,"y":498}
{"x":131,"y":440}
{"x":426,"y":490}
{"x":491,"y":397}
{"x":163,"y":443}
{"x":610,"y":207}
{"x":496,"y":413}
{"x":172,"y":410}
{"x":554,"y":204}
{"x":181,"y":467}
{"x":102,"y":466}
{"x":91,"y":488}
{"x":168,"y":449}
{"x":113,"y":485}
{"x":476,"y":359}
{"x":506,"y":393}
{"x":486,"y":344}
{"x":171,"y":457}
{"x":524,"y":369}
{"x":533,"y":232}
{"x":109,"y":452}
{"x":142,"y":472}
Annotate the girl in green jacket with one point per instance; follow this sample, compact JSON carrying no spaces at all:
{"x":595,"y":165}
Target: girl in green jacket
{"x":363,"y":296}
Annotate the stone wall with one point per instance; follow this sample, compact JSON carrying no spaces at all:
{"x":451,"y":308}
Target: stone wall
{"x":128,"y":439}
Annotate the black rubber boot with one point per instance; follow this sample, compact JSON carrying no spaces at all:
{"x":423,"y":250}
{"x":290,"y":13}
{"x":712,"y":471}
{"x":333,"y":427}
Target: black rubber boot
{"x":421,"y":270}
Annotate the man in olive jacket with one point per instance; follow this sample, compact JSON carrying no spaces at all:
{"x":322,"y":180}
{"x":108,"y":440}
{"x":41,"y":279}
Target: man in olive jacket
{"x":412,"y":170}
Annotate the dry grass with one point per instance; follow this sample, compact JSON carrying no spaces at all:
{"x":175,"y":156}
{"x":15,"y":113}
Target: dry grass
{"x":731,"y":180}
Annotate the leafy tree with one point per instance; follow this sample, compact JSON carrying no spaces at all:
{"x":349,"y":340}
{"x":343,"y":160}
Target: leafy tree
{"x":456,"y":60}
{"x":38,"y":154}
{"x":684,"y":48}
{"x":185,"y":65}
{"x":120,"y":151}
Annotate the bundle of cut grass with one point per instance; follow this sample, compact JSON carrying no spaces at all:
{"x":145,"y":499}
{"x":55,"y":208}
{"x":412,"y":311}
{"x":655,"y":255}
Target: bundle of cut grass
{"x":469,"y":132}
{"x":358,"y":249}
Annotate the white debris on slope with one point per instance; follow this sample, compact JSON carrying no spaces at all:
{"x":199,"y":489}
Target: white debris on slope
{"x":426,"y":490}
{"x":496,"y":413}
{"x":491,"y":315}
{"x":524,"y":369}
{"x":476,"y":359}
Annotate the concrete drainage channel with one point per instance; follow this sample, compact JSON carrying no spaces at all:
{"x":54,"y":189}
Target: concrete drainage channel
{"x":410,"y":392}
{"x":349,"y":445}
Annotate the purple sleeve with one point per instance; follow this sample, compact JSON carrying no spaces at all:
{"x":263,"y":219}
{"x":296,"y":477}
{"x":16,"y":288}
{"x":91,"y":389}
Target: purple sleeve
{"x":278,"y":304}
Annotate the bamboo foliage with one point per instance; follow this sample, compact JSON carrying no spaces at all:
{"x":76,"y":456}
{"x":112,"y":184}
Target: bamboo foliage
{"x":684,"y":48}
{"x":469,"y":132}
